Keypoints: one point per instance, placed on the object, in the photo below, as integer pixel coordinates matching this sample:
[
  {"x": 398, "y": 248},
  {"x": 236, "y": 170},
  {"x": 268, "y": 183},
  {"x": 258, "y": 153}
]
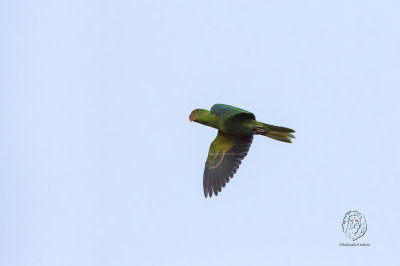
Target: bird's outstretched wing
[
  {"x": 227, "y": 111},
  {"x": 224, "y": 157}
]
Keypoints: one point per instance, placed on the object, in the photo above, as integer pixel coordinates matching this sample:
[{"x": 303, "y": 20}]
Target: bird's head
[{"x": 198, "y": 115}]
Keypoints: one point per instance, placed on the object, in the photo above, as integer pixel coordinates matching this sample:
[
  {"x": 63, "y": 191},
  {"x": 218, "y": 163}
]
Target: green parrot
[{"x": 236, "y": 128}]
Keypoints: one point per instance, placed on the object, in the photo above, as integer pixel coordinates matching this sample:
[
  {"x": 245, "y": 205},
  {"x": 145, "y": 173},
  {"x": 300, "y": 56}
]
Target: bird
[{"x": 236, "y": 128}]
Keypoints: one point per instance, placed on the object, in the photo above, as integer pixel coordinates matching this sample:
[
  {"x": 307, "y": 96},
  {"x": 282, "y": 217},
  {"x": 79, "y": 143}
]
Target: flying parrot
[{"x": 236, "y": 128}]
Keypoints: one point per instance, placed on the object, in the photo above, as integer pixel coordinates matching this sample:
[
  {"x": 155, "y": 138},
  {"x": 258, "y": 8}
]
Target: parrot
[{"x": 236, "y": 128}]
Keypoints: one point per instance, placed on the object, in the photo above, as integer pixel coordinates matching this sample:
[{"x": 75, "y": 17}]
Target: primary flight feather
[{"x": 236, "y": 128}]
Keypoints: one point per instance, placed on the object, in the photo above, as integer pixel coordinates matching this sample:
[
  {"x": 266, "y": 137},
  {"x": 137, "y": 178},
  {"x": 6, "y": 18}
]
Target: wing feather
[
  {"x": 227, "y": 111},
  {"x": 224, "y": 157}
]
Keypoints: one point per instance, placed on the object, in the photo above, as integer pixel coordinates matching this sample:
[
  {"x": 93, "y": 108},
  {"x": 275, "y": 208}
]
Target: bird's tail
[{"x": 274, "y": 132}]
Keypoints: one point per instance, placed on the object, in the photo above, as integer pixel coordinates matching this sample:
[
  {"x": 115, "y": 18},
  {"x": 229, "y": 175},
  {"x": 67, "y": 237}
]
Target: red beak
[{"x": 191, "y": 117}]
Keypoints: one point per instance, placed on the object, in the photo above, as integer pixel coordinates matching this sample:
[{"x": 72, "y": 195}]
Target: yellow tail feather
[{"x": 281, "y": 136}]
